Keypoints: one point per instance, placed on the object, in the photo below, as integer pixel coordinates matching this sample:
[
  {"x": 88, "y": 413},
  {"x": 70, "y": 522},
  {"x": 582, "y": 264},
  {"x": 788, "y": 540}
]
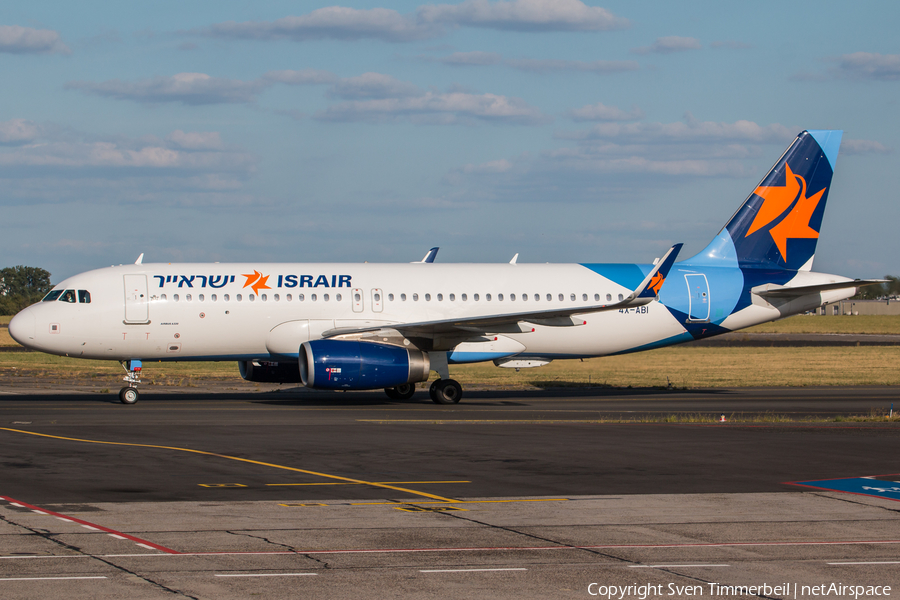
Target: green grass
[
  {"x": 679, "y": 366},
  {"x": 866, "y": 324},
  {"x": 5, "y": 319}
]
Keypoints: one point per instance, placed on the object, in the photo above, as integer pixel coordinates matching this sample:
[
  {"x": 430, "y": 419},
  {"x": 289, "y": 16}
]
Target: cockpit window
[
  {"x": 52, "y": 296},
  {"x": 84, "y": 297},
  {"x": 68, "y": 296}
]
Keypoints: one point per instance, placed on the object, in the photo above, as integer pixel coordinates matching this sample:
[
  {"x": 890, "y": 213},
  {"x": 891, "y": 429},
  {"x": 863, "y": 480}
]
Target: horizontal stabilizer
[{"x": 772, "y": 290}]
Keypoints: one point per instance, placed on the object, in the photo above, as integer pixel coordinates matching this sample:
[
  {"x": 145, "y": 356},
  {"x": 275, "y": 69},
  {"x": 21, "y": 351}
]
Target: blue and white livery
[{"x": 372, "y": 326}]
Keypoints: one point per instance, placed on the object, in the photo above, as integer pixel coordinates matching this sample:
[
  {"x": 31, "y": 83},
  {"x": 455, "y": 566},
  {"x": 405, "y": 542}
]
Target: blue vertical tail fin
[{"x": 778, "y": 225}]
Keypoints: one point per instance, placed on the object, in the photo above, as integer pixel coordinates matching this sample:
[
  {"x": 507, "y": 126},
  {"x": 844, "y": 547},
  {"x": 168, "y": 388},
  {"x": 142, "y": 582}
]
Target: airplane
[{"x": 387, "y": 326}]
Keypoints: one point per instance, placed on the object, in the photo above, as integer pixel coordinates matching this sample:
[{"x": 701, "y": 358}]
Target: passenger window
[
  {"x": 487, "y": 297},
  {"x": 288, "y": 298},
  {"x": 621, "y": 297},
  {"x": 512, "y": 297},
  {"x": 596, "y": 297},
  {"x": 391, "y": 297},
  {"x": 163, "y": 297},
  {"x": 226, "y": 297},
  {"x": 584, "y": 297},
  {"x": 213, "y": 297},
  {"x": 84, "y": 297},
  {"x": 337, "y": 297},
  {"x": 403, "y": 297},
  {"x": 301, "y": 297},
  {"x": 201, "y": 297},
  {"x": 52, "y": 296},
  {"x": 475, "y": 297},
  {"x": 440, "y": 297},
  {"x": 415, "y": 297},
  {"x": 175, "y": 297},
  {"x": 572, "y": 297},
  {"x": 276, "y": 297},
  {"x": 68, "y": 296},
  {"x": 263, "y": 297},
  {"x": 238, "y": 297},
  {"x": 464, "y": 298},
  {"x": 250, "y": 297},
  {"x": 452, "y": 297},
  {"x": 325, "y": 297},
  {"x": 608, "y": 297},
  {"x": 312, "y": 297},
  {"x": 561, "y": 297},
  {"x": 428, "y": 297},
  {"x": 187, "y": 297},
  {"x": 499, "y": 297}
]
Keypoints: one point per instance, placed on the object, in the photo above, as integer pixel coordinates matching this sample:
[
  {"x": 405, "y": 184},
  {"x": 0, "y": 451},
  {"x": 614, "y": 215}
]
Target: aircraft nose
[{"x": 22, "y": 327}]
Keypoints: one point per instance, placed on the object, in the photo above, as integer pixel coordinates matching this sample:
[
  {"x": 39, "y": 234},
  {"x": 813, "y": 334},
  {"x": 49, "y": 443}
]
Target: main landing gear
[
  {"x": 445, "y": 391},
  {"x": 404, "y": 391},
  {"x": 129, "y": 394}
]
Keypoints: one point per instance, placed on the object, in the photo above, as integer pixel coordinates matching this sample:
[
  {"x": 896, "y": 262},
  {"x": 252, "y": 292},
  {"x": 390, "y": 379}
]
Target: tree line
[
  {"x": 888, "y": 289},
  {"x": 22, "y": 286}
]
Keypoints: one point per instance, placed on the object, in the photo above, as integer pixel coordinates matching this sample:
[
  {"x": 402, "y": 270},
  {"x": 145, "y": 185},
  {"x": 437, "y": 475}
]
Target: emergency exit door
[
  {"x": 137, "y": 303},
  {"x": 698, "y": 298}
]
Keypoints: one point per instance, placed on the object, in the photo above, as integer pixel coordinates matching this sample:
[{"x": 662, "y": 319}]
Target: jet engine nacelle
[
  {"x": 352, "y": 365},
  {"x": 269, "y": 372}
]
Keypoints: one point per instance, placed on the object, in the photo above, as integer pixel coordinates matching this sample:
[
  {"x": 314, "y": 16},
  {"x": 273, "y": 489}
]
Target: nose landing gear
[{"x": 129, "y": 394}]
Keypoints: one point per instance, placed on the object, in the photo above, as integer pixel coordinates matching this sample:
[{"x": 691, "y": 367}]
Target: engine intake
[{"x": 352, "y": 365}]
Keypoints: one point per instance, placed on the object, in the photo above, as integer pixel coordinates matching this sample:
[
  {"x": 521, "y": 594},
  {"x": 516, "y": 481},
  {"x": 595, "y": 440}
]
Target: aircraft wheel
[
  {"x": 391, "y": 393},
  {"x": 404, "y": 391},
  {"x": 128, "y": 395},
  {"x": 446, "y": 391}
]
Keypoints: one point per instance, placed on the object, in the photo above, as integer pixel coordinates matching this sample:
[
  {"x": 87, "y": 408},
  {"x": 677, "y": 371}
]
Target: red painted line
[{"x": 136, "y": 540}]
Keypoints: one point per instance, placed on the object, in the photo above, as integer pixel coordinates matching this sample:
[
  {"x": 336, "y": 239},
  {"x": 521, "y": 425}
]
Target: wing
[{"x": 518, "y": 322}]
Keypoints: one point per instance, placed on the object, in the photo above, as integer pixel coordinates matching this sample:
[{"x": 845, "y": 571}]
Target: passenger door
[{"x": 137, "y": 305}]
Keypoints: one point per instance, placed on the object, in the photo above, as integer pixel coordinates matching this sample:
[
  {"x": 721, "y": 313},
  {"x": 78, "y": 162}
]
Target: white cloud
[
  {"x": 17, "y": 131},
  {"x": 187, "y": 88},
  {"x": 195, "y": 140},
  {"x": 602, "y": 112},
  {"x": 437, "y": 108},
  {"x": 429, "y": 21},
  {"x": 669, "y": 44},
  {"x": 688, "y": 131},
  {"x": 851, "y": 147},
  {"x": 372, "y": 85},
  {"x": 523, "y": 15},
  {"x": 191, "y": 153},
  {"x": 25, "y": 40},
  {"x": 333, "y": 22},
  {"x": 867, "y": 65}
]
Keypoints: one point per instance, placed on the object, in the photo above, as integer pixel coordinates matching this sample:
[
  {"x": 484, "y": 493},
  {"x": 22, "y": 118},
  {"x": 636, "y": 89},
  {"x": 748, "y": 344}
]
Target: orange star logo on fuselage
[
  {"x": 778, "y": 199},
  {"x": 256, "y": 281}
]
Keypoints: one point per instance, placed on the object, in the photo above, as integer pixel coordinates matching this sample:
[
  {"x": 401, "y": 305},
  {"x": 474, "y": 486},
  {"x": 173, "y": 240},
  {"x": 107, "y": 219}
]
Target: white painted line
[
  {"x": 45, "y": 556},
  {"x": 66, "y": 520},
  {"x": 670, "y": 566},
  {"x": 89, "y": 527},
  {"x": 45, "y": 578},
  {"x": 887, "y": 562},
  {"x": 144, "y": 546},
  {"x": 40, "y": 512},
  {"x": 117, "y": 536},
  {"x": 264, "y": 574},
  {"x": 16, "y": 504},
  {"x": 467, "y": 570}
]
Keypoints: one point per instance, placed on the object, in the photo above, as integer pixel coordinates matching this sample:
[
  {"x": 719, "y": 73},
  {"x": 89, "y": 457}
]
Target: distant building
[{"x": 861, "y": 307}]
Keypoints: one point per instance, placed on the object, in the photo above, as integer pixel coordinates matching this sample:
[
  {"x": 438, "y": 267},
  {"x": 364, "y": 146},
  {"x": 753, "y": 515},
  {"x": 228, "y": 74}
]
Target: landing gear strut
[
  {"x": 445, "y": 391},
  {"x": 404, "y": 391},
  {"x": 129, "y": 394}
]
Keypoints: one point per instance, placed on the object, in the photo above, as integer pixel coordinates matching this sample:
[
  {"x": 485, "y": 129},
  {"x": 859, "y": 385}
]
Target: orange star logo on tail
[
  {"x": 657, "y": 282},
  {"x": 776, "y": 200},
  {"x": 256, "y": 281}
]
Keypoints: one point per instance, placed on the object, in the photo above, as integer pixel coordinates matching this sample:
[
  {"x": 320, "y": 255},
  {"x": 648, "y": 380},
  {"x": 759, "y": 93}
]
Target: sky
[{"x": 561, "y": 130}]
